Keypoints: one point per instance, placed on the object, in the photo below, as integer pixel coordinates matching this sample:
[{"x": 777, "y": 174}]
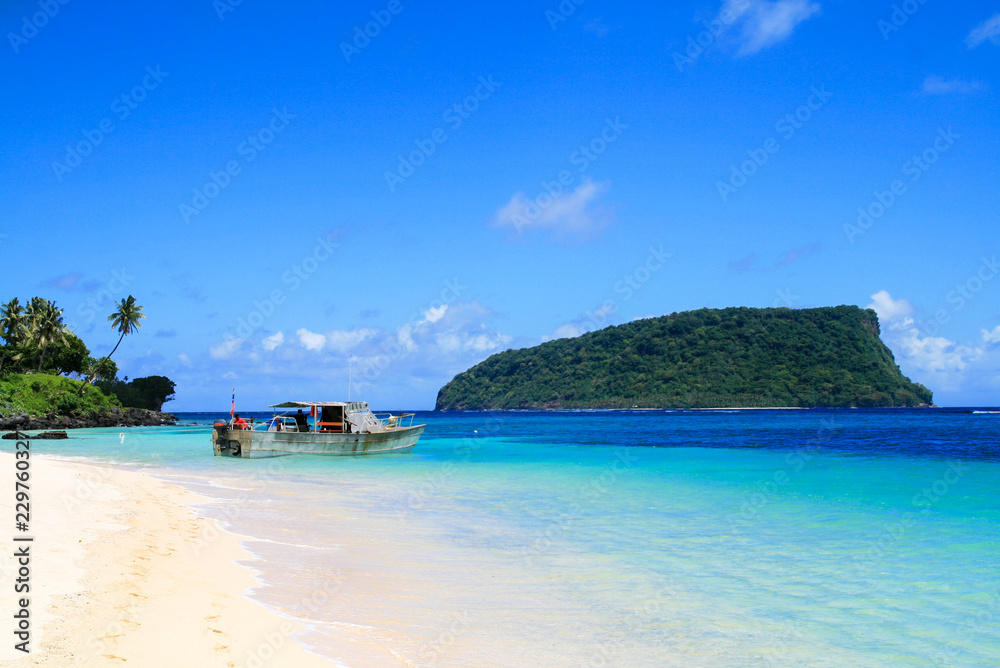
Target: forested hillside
[{"x": 734, "y": 357}]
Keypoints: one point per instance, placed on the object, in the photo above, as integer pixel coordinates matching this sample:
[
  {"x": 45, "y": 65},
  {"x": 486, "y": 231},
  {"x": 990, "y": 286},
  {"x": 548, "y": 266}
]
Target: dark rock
[
  {"x": 13, "y": 422},
  {"x": 52, "y": 435},
  {"x": 116, "y": 417}
]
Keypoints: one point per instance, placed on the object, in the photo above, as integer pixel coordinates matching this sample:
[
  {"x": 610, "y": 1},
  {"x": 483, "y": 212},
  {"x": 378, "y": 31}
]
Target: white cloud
[
  {"x": 764, "y": 23},
  {"x": 566, "y": 213},
  {"x": 226, "y": 349},
  {"x": 987, "y": 30},
  {"x": 569, "y": 330},
  {"x": 344, "y": 340},
  {"x": 391, "y": 367},
  {"x": 405, "y": 337},
  {"x": 273, "y": 341},
  {"x": 935, "y": 85},
  {"x": 934, "y": 360},
  {"x": 935, "y": 353},
  {"x": 185, "y": 359},
  {"x": 992, "y": 336},
  {"x": 891, "y": 312},
  {"x": 436, "y": 313},
  {"x": 311, "y": 340}
]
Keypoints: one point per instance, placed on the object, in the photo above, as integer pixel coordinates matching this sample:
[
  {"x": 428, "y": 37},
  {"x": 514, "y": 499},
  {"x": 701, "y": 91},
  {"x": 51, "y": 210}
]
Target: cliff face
[{"x": 734, "y": 357}]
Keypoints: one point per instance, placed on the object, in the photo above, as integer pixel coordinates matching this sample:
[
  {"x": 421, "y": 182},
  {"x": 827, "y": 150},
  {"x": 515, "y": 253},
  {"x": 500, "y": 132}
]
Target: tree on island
[
  {"x": 125, "y": 320},
  {"x": 38, "y": 338},
  {"x": 13, "y": 328},
  {"x": 150, "y": 392},
  {"x": 45, "y": 326}
]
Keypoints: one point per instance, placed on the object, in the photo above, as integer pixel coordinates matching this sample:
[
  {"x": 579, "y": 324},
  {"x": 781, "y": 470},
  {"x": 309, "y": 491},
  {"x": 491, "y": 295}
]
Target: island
[
  {"x": 707, "y": 358},
  {"x": 38, "y": 355}
]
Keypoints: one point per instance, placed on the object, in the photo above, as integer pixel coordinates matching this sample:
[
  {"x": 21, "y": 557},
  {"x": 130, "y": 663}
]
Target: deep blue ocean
[{"x": 619, "y": 538}]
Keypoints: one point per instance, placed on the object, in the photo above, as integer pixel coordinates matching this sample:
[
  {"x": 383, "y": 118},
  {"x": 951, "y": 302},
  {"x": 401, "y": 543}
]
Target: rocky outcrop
[
  {"x": 115, "y": 417},
  {"x": 45, "y": 435}
]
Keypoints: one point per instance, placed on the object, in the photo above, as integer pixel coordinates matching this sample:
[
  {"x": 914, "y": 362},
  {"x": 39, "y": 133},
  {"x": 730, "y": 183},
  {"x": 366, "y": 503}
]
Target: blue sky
[{"x": 288, "y": 196}]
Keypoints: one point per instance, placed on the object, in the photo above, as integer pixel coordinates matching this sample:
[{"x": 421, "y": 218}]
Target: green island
[
  {"x": 708, "y": 358},
  {"x": 39, "y": 358}
]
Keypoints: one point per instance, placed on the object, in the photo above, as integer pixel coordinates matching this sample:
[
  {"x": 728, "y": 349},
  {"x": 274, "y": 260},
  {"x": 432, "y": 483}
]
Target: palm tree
[
  {"x": 125, "y": 319},
  {"x": 47, "y": 325},
  {"x": 12, "y": 322},
  {"x": 12, "y": 326}
]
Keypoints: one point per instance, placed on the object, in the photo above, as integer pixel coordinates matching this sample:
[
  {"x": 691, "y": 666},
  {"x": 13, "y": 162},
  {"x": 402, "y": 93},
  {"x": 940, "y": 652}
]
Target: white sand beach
[{"x": 123, "y": 572}]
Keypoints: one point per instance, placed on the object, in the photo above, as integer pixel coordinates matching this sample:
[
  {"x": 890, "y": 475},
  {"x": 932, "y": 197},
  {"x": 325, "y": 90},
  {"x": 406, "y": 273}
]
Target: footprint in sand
[
  {"x": 112, "y": 657},
  {"x": 211, "y": 617},
  {"x": 217, "y": 631}
]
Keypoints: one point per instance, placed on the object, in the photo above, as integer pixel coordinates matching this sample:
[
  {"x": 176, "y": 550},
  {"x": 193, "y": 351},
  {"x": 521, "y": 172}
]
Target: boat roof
[{"x": 307, "y": 404}]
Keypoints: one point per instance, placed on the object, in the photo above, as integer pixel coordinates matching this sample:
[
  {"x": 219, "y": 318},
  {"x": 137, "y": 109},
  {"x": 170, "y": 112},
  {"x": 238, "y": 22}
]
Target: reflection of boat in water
[{"x": 325, "y": 428}]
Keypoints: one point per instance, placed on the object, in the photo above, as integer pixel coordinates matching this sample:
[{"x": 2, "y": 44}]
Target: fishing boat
[{"x": 318, "y": 428}]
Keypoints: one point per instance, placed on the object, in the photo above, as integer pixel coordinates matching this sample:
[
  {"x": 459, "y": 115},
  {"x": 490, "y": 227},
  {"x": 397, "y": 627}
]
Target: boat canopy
[{"x": 307, "y": 404}]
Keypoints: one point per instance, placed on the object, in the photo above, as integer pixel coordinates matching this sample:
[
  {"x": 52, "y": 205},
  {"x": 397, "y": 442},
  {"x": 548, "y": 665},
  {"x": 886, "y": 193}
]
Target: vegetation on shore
[
  {"x": 40, "y": 394},
  {"x": 149, "y": 393},
  {"x": 734, "y": 357},
  {"x": 39, "y": 352}
]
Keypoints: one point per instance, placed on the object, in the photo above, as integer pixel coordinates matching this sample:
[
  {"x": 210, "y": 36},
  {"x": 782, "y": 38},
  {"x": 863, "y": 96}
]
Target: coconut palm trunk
[{"x": 117, "y": 344}]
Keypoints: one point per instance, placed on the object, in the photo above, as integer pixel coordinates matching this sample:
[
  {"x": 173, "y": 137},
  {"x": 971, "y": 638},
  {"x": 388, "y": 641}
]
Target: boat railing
[
  {"x": 395, "y": 421},
  {"x": 281, "y": 423}
]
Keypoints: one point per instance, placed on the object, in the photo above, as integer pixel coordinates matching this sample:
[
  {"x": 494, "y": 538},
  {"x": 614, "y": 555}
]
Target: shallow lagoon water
[{"x": 628, "y": 538}]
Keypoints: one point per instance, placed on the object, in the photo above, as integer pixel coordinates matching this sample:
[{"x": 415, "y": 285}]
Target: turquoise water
[{"x": 646, "y": 538}]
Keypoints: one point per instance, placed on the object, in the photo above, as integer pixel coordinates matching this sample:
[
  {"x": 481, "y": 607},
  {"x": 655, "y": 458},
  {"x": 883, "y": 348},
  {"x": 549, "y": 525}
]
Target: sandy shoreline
[{"x": 124, "y": 572}]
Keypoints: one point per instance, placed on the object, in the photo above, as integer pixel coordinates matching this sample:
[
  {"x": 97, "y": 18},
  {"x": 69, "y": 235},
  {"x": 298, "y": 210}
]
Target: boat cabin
[{"x": 336, "y": 417}]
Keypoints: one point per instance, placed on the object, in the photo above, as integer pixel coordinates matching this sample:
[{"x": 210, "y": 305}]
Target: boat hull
[{"x": 255, "y": 444}]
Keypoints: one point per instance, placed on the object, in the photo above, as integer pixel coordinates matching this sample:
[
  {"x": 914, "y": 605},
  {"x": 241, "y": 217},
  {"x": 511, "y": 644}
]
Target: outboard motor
[{"x": 220, "y": 433}]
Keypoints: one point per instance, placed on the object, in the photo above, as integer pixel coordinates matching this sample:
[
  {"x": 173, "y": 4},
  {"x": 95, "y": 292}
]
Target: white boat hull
[{"x": 253, "y": 444}]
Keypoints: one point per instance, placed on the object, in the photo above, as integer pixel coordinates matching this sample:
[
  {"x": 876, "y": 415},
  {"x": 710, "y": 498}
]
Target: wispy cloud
[
  {"x": 418, "y": 356},
  {"x": 991, "y": 336},
  {"x": 65, "y": 282},
  {"x": 796, "y": 254},
  {"x": 194, "y": 294},
  {"x": 226, "y": 349},
  {"x": 273, "y": 341},
  {"x": 743, "y": 265},
  {"x": 764, "y": 23},
  {"x": 987, "y": 30},
  {"x": 597, "y": 27},
  {"x": 343, "y": 341},
  {"x": 566, "y": 214},
  {"x": 935, "y": 85},
  {"x": 751, "y": 263}
]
